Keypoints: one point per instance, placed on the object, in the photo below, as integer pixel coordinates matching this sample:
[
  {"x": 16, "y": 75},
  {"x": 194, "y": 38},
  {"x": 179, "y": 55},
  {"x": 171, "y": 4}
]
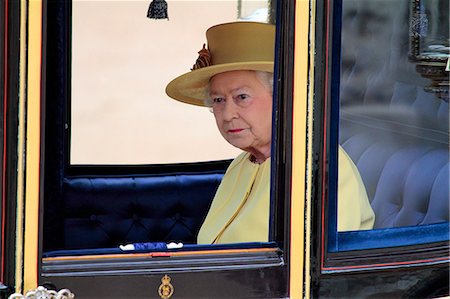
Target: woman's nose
[{"x": 230, "y": 110}]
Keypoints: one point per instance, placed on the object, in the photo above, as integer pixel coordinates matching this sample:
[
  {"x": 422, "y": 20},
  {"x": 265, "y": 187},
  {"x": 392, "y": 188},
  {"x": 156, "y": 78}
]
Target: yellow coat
[
  {"x": 354, "y": 210},
  {"x": 240, "y": 209}
]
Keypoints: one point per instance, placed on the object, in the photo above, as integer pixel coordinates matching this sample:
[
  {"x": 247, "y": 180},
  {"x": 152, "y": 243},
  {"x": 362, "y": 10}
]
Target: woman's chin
[{"x": 239, "y": 144}]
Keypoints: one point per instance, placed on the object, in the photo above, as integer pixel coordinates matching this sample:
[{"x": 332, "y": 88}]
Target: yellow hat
[{"x": 231, "y": 47}]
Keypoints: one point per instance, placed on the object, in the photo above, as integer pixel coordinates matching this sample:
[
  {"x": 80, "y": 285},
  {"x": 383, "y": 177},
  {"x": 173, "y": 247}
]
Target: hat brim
[{"x": 191, "y": 87}]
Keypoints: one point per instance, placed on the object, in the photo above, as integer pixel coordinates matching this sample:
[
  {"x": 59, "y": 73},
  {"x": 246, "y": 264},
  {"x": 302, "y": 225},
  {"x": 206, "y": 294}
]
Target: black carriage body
[{"x": 87, "y": 210}]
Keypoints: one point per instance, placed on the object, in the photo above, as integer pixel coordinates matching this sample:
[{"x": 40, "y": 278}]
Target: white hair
[{"x": 266, "y": 79}]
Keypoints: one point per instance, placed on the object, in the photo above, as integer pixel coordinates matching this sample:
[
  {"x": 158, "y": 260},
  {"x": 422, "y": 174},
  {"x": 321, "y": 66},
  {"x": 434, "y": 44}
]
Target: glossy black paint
[
  {"x": 226, "y": 275},
  {"x": 403, "y": 282},
  {"x": 56, "y": 115},
  {"x": 9, "y": 94},
  {"x": 255, "y": 283}
]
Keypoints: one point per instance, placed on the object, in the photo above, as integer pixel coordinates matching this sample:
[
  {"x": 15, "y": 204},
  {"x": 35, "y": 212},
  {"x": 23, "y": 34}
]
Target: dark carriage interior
[{"x": 394, "y": 130}]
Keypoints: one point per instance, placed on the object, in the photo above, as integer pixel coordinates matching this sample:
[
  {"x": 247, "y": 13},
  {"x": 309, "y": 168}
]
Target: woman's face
[{"x": 242, "y": 106}]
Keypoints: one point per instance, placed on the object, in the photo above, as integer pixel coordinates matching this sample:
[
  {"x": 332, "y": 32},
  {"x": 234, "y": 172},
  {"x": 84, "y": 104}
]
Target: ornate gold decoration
[
  {"x": 429, "y": 45},
  {"x": 165, "y": 290},
  {"x": 203, "y": 60},
  {"x": 43, "y": 293}
]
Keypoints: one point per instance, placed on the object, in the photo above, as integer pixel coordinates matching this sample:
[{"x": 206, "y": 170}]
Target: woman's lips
[{"x": 232, "y": 131}]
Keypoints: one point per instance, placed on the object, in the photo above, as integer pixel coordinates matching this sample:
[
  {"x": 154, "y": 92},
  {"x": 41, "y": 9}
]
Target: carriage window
[
  {"x": 120, "y": 113},
  {"x": 145, "y": 168},
  {"x": 393, "y": 118}
]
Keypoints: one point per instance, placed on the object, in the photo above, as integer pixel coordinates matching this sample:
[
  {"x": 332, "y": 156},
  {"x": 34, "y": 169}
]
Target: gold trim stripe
[
  {"x": 297, "y": 251},
  {"x": 33, "y": 127},
  {"x": 21, "y": 148},
  {"x": 309, "y": 159}
]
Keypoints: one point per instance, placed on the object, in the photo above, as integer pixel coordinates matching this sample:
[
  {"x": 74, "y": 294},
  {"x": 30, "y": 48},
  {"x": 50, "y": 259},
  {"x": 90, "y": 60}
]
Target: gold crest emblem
[{"x": 165, "y": 290}]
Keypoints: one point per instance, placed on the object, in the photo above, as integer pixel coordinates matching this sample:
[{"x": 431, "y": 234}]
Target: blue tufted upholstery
[
  {"x": 102, "y": 212},
  {"x": 401, "y": 150},
  {"x": 408, "y": 192}
]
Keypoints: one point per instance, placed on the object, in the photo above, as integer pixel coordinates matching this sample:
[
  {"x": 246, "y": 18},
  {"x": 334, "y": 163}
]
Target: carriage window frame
[
  {"x": 277, "y": 224},
  {"x": 366, "y": 244},
  {"x": 3, "y": 91}
]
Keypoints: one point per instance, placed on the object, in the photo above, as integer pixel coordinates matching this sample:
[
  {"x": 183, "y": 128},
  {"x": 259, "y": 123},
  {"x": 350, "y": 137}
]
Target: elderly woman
[{"x": 234, "y": 75}]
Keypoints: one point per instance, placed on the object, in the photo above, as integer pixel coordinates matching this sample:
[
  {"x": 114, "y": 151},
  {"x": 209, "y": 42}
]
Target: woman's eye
[
  {"x": 218, "y": 100},
  {"x": 242, "y": 97}
]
